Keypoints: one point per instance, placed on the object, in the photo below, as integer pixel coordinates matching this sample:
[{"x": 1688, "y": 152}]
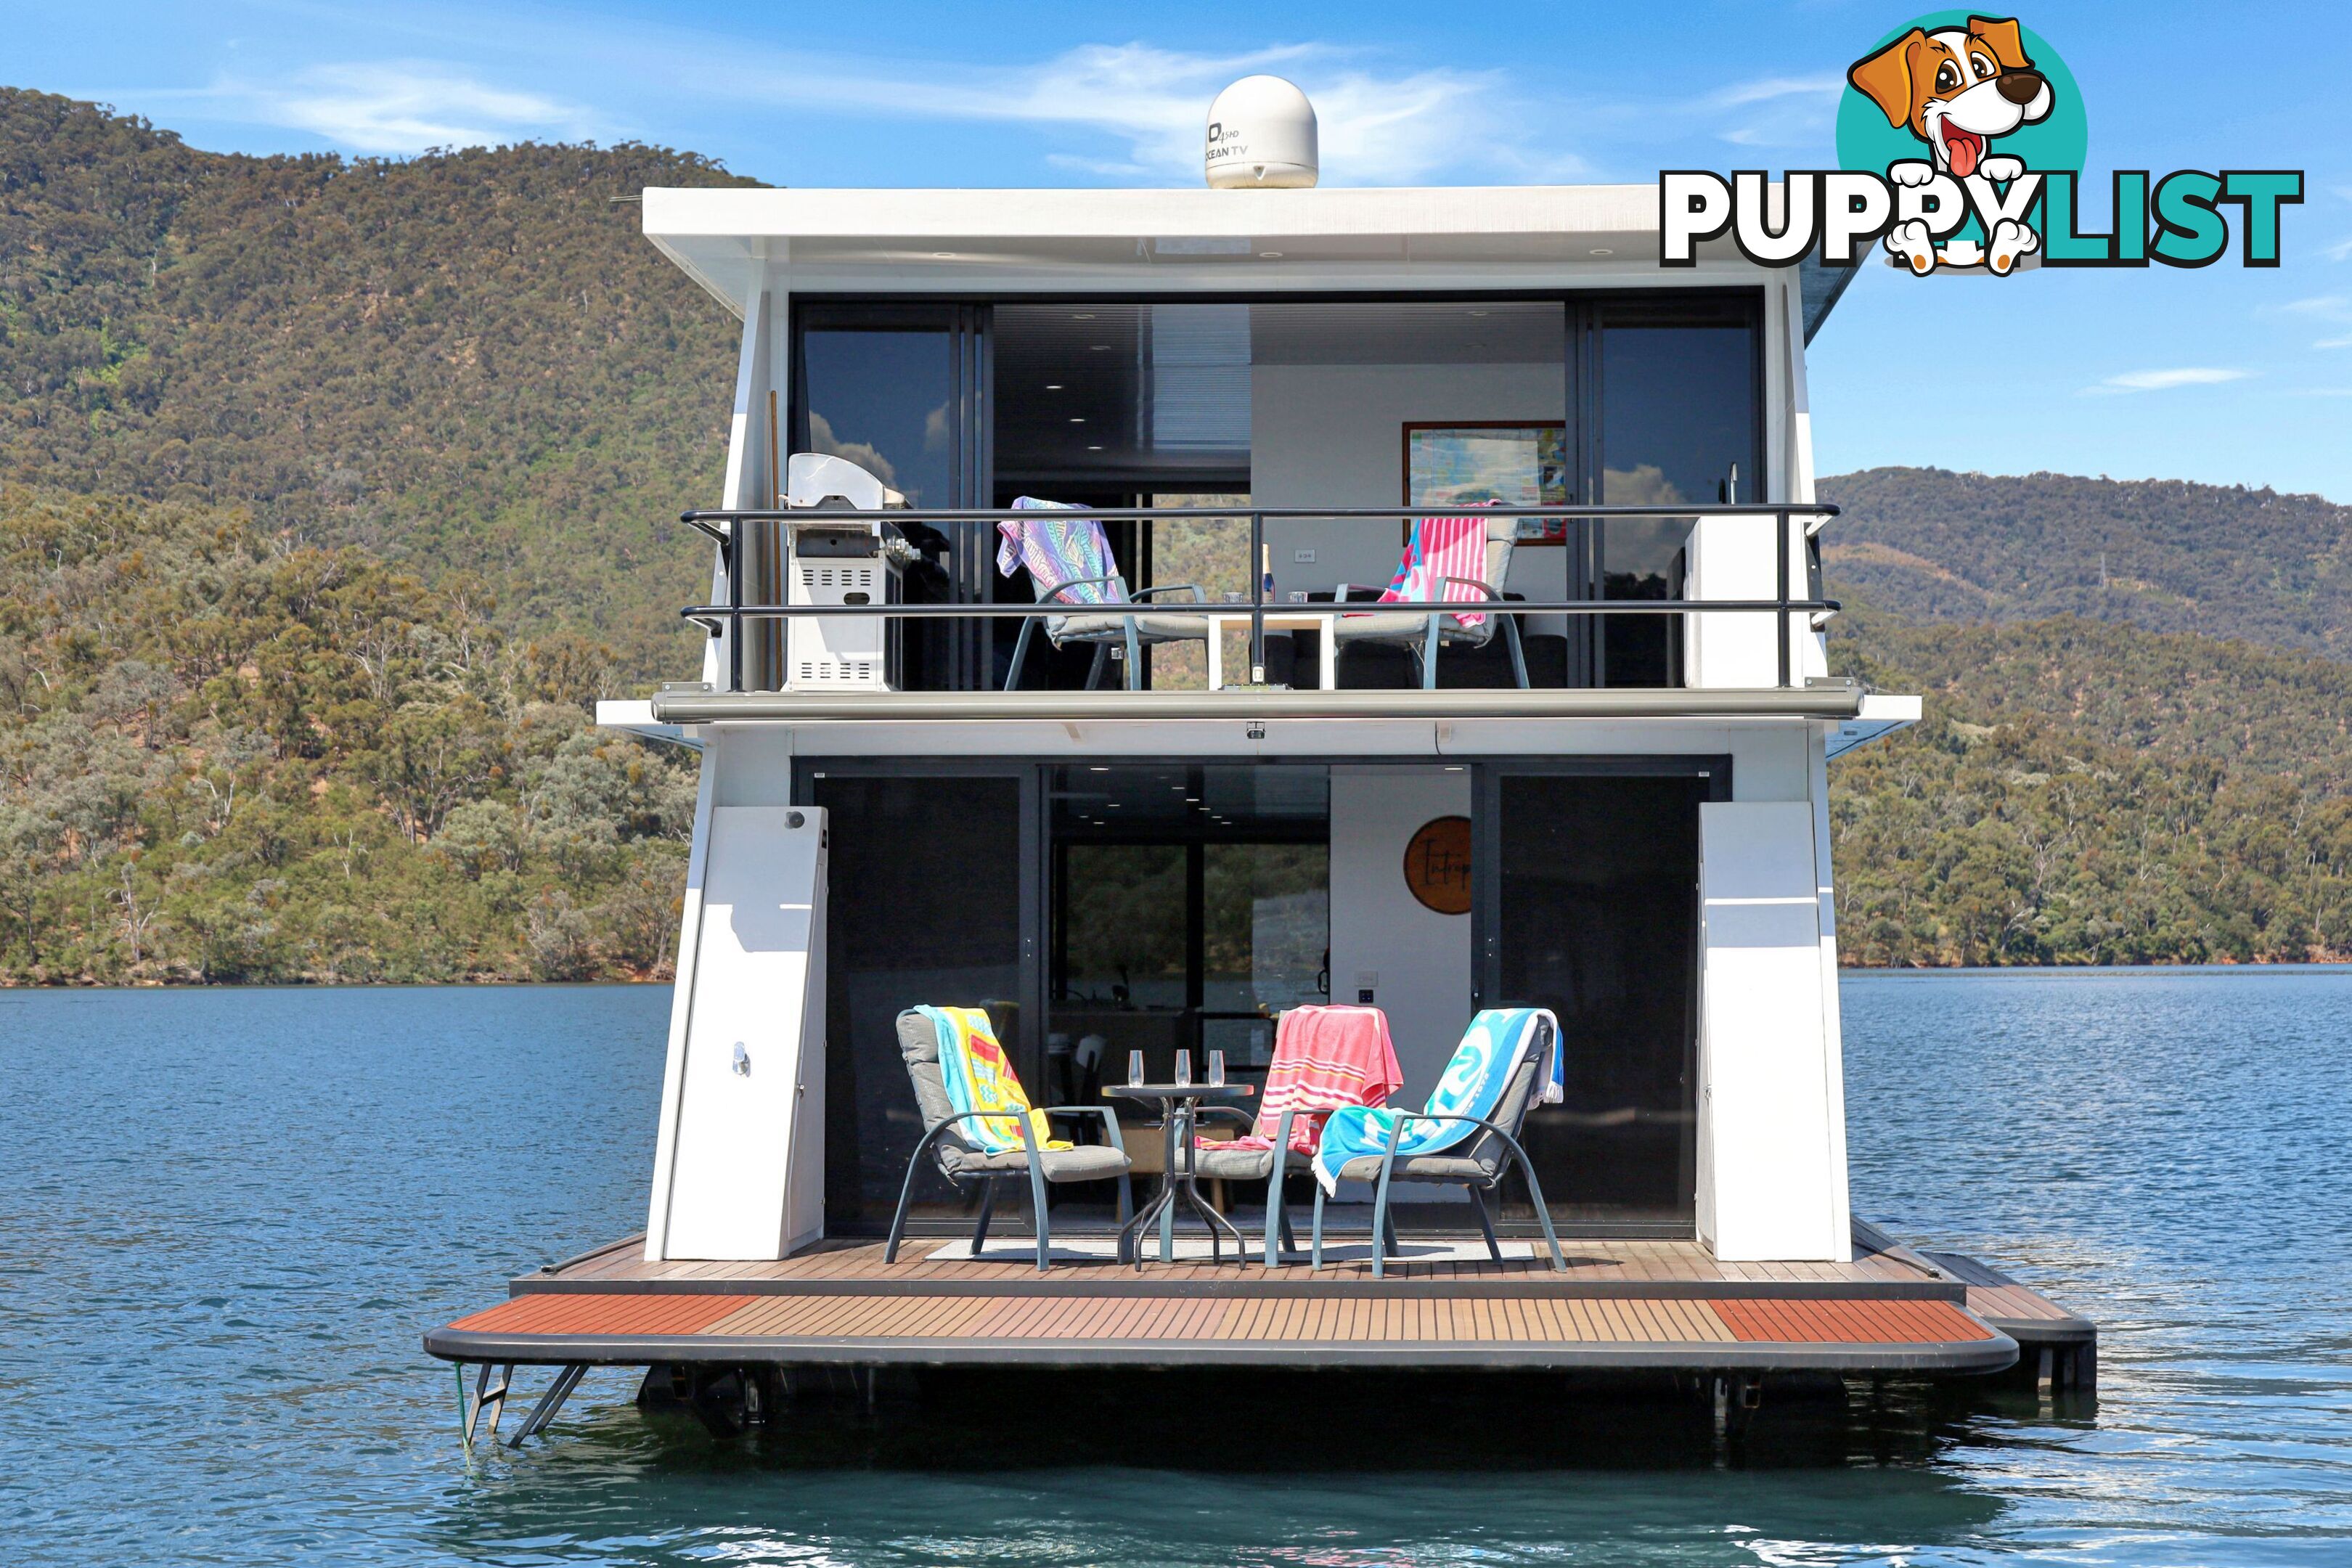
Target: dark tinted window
[
  {"x": 1598, "y": 924},
  {"x": 924, "y": 907},
  {"x": 1678, "y": 412},
  {"x": 884, "y": 399}
]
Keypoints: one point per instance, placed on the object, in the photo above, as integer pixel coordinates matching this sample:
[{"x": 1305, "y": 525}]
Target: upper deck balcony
[{"x": 834, "y": 610}]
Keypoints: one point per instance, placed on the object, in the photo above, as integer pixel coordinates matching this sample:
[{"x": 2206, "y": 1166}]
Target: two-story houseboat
[{"x": 1157, "y": 843}]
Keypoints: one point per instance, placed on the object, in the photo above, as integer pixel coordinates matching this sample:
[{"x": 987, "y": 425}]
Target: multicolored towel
[
  {"x": 1324, "y": 1057},
  {"x": 980, "y": 1077},
  {"x": 1442, "y": 548},
  {"x": 1472, "y": 1085},
  {"x": 1059, "y": 550}
]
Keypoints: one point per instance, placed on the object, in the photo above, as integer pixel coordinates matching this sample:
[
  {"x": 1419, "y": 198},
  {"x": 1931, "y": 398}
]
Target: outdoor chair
[
  {"x": 1069, "y": 561},
  {"x": 1478, "y": 1165},
  {"x": 1437, "y": 565},
  {"x": 1306, "y": 1076},
  {"x": 965, "y": 1164}
]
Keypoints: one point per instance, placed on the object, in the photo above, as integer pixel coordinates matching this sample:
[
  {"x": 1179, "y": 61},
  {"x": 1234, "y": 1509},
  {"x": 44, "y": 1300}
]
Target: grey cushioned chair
[
  {"x": 963, "y": 1163},
  {"x": 1425, "y": 633},
  {"x": 1478, "y": 1164}
]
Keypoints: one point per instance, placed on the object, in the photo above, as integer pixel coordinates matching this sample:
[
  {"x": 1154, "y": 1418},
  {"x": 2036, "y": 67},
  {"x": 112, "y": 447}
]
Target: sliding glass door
[
  {"x": 903, "y": 392},
  {"x": 1588, "y": 889},
  {"x": 932, "y": 896},
  {"x": 1670, "y": 402}
]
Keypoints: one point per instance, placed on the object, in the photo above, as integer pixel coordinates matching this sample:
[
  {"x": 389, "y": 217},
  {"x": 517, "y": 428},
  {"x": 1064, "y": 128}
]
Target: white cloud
[
  {"x": 2327, "y": 307},
  {"x": 1373, "y": 127},
  {"x": 1771, "y": 87},
  {"x": 2166, "y": 380},
  {"x": 402, "y": 107},
  {"x": 2343, "y": 343},
  {"x": 1785, "y": 110},
  {"x": 2339, "y": 251}
]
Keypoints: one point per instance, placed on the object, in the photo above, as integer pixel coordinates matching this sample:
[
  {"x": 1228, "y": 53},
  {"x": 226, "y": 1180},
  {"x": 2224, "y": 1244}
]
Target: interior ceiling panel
[{"x": 1110, "y": 393}]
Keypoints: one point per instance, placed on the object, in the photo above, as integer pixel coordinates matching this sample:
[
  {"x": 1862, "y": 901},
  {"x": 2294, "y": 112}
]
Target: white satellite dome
[{"x": 1262, "y": 137}]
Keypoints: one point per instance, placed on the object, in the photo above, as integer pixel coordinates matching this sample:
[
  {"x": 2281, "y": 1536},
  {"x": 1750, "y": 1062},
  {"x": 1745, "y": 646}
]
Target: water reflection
[{"x": 1304, "y": 1470}]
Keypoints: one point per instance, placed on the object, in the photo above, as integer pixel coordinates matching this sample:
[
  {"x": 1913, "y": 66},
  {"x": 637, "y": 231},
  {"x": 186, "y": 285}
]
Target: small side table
[{"x": 1179, "y": 1101}]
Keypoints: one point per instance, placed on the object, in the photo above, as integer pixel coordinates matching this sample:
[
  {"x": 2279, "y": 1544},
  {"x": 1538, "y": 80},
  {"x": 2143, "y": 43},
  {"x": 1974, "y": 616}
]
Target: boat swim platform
[{"x": 1623, "y": 1305}]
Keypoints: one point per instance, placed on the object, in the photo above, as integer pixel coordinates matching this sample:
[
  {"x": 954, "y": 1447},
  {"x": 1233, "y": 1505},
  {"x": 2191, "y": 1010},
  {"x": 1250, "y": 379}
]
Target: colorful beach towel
[
  {"x": 1324, "y": 1057},
  {"x": 978, "y": 1078},
  {"x": 1058, "y": 549},
  {"x": 1442, "y": 548},
  {"x": 1472, "y": 1085}
]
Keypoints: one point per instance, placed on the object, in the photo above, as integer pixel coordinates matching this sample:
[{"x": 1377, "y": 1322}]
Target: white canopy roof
[{"x": 1174, "y": 241}]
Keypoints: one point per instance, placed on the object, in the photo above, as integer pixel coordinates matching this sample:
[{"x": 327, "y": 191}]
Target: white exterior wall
[
  {"x": 1771, "y": 1155},
  {"x": 1418, "y": 960}
]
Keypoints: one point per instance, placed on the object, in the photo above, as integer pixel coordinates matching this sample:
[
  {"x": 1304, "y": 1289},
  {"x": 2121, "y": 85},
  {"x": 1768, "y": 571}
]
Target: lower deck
[{"x": 1622, "y": 1305}]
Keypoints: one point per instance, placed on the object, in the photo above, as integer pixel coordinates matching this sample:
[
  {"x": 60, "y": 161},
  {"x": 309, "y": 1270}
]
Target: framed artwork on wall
[{"x": 1521, "y": 462}]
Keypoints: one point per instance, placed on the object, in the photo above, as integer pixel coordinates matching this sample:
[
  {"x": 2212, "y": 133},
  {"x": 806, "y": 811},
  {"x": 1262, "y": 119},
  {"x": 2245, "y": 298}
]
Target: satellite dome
[{"x": 1262, "y": 137}]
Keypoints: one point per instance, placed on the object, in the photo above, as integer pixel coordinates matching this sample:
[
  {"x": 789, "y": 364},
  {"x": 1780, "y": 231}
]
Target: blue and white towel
[{"x": 1472, "y": 1083}]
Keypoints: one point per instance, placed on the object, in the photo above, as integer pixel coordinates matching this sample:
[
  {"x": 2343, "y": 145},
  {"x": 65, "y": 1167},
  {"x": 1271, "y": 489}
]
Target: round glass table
[{"x": 1180, "y": 1103}]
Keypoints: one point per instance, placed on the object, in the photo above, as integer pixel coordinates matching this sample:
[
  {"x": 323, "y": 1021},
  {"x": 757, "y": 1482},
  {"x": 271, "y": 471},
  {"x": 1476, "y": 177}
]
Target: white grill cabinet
[{"x": 840, "y": 561}]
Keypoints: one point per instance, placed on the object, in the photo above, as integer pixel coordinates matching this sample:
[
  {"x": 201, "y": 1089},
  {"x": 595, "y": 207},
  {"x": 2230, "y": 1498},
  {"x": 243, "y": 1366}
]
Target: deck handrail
[{"x": 719, "y": 620}]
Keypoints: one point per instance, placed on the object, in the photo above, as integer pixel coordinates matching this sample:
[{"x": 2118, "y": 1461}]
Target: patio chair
[
  {"x": 1069, "y": 561},
  {"x": 1438, "y": 565},
  {"x": 1459, "y": 1157},
  {"x": 964, "y": 1163},
  {"x": 1308, "y": 1077}
]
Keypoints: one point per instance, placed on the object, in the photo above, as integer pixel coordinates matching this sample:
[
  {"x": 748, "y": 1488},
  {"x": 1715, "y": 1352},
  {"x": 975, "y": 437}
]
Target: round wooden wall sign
[{"x": 1437, "y": 865}]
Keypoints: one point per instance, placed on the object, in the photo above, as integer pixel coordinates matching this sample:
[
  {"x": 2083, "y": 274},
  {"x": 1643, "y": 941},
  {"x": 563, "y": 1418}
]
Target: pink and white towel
[
  {"x": 1442, "y": 548},
  {"x": 1324, "y": 1057}
]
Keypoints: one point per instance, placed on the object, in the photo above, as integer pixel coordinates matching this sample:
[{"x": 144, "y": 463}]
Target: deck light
[
  {"x": 1084, "y": 316},
  {"x": 1270, "y": 256},
  {"x": 1601, "y": 250},
  {"x": 1094, "y": 449},
  {"x": 1053, "y": 387},
  {"x": 1098, "y": 347},
  {"x": 1077, "y": 419}
]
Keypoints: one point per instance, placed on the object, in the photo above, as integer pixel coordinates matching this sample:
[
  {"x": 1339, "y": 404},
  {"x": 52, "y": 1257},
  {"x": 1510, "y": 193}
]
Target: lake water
[{"x": 229, "y": 1215}]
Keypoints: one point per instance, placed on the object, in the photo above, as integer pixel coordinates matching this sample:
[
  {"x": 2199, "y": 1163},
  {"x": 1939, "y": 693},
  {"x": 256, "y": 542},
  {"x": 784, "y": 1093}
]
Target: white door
[{"x": 746, "y": 1177}]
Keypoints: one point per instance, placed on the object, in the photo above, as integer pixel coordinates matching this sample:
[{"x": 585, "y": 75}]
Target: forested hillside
[
  {"x": 470, "y": 359},
  {"x": 227, "y": 755},
  {"x": 337, "y": 489},
  {"x": 2160, "y": 553},
  {"x": 2084, "y": 793}
]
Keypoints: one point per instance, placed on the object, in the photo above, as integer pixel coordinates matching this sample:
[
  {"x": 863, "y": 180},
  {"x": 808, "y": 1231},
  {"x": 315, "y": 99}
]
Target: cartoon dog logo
[{"x": 1955, "y": 89}]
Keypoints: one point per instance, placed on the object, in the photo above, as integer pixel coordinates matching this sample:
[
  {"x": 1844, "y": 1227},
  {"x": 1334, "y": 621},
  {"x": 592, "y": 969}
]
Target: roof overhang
[{"x": 1181, "y": 241}]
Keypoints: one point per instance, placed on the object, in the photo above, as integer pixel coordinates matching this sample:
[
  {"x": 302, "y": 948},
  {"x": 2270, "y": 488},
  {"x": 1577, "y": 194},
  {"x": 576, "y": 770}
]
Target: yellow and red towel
[{"x": 980, "y": 1076}]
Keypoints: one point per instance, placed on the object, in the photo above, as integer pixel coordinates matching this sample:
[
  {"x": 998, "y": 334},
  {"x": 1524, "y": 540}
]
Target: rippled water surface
[{"x": 229, "y": 1215}]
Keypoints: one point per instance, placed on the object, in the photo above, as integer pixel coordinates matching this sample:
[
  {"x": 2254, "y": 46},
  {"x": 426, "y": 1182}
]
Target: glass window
[
  {"x": 1192, "y": 904},
  {"x": 941, "y": 927},
  {"x": 884, "y": 399},
  {"x": 1599, "y": 923},
  {"x": 1678, "y": 417}
]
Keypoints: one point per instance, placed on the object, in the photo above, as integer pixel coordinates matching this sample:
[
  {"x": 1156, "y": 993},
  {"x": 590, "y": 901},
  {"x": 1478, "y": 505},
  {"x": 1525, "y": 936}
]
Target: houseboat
[{"x": 1255, "y": 765}]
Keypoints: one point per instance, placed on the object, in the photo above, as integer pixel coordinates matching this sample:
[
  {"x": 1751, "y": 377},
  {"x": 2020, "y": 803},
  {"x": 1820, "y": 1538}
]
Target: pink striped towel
[
  {"x": 1442, "y": 548},
  {"x": 1324, "y": 1057}
]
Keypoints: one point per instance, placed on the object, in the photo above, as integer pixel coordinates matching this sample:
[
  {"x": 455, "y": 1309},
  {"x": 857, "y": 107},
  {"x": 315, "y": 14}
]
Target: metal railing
[{"x": 727, "y": 619}]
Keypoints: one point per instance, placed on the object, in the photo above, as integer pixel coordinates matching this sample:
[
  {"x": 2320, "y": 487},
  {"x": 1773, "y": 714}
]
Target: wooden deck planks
[{"x": 1847, "y": 1323}]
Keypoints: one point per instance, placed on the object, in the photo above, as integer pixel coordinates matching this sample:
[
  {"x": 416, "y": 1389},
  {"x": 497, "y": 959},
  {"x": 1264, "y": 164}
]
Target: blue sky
[{"x": 2223, "y": 375}]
